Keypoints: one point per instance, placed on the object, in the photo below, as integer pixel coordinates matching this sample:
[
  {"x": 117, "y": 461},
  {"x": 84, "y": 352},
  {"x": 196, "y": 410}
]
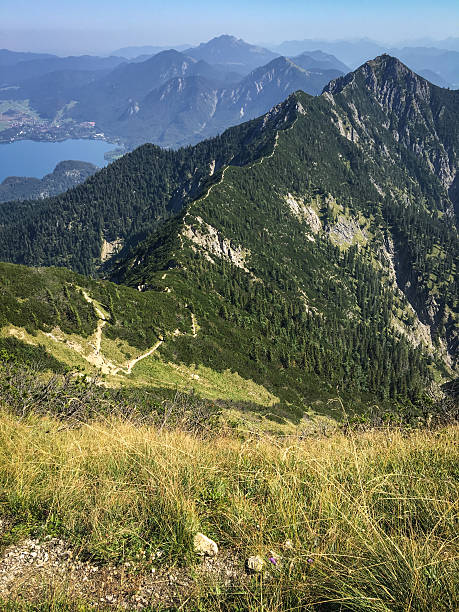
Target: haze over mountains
[
  {"x": 175, "y": 98},
  {"x": 307, "y": 250},
  {"x": 440, "y": 57},
  {"x": 228, "y": 50},
  {"x": 229, "y": 374}
]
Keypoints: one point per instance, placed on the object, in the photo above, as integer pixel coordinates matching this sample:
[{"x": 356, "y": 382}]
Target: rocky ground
[{"x": 36, "y": 570}]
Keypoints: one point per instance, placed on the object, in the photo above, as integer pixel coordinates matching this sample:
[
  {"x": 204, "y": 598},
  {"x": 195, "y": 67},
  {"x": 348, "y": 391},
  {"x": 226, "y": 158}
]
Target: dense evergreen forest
[
  {"x": 316, "y": 246},
  {"x": 126, "y": 200}
]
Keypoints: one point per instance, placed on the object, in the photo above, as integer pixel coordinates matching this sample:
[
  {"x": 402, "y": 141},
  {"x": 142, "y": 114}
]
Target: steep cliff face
[
  {"x": 421, "y": 116},
  {"x": 389, "y": 111}
]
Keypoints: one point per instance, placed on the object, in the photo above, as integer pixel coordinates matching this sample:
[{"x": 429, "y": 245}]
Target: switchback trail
[{"x": 96, "y": 358}]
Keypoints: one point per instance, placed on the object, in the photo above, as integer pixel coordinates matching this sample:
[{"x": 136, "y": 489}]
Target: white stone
[
  {"x": 204, "y": 545},
  {"x": 255, "y": 563}
]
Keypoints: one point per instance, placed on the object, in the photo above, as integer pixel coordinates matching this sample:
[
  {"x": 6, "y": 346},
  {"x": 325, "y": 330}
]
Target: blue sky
[{"x": 106, "y": 24}]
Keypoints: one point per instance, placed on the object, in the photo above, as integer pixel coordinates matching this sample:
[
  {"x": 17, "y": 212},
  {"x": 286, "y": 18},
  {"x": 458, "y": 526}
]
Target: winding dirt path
[
  {"x": 127, "y": 368},
  {"x": 96, "y": 358},
  {"x": 100, "y": 323},
  {"x": 218, "y": 182},
  {"x": 259, "y": 161}
]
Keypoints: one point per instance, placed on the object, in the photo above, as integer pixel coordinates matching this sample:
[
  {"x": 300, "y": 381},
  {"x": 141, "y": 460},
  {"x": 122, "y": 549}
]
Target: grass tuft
[{"x": 372, "y": 517}]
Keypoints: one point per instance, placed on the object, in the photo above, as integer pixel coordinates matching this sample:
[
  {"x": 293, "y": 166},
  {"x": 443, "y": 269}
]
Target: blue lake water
[{"x": 30, "y": 158}]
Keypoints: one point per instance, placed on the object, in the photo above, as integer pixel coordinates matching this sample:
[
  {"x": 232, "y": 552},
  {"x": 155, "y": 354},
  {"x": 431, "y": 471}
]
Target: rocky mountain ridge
[
  {"x": 310, "y": 249},
  {"x": 171, "y": 98},
  {"x": 416, "y": 110},
  {"x": 190, "y": 108}
]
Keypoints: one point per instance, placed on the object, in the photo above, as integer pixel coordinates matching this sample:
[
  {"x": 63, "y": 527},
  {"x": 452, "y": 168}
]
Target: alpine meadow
[{"x": 228, "y": 358}]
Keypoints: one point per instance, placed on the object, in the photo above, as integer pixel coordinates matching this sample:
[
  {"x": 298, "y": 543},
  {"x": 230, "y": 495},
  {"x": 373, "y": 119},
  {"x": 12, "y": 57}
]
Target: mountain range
[
  {"x": 16, "y": 68},
  {"x": 171, "y": 98},
  {"x": 306, "y": 253},
  {"x": 185, "y": 110},
  {"x": 175, "y": 98},
  {"x": 440, "y": 58}
]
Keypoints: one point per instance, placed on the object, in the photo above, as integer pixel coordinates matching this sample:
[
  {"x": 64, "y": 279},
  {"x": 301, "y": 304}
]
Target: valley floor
[{"x": 102, "y": 515}]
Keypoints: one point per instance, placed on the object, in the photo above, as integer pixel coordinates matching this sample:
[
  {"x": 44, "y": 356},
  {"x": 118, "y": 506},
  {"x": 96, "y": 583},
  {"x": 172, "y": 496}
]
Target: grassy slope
[
  {"x": 40, "y": 306},
  {"x": 371, "y": 517}
]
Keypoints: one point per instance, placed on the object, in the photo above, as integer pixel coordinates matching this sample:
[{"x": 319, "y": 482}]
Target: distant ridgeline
[
  {"x": 67, "y": 174},
  {"x": 311, "y": 251}
]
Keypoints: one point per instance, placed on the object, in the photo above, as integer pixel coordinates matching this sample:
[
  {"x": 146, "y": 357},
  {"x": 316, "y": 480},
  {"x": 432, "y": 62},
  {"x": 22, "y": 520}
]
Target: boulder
[{"x": 204, "y": 546}]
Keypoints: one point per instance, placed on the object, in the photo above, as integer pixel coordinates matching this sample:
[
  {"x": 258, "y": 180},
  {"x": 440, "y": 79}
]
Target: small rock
[
  {"x": 204, "y": 545},
  {"x": 255, "y": 564}
]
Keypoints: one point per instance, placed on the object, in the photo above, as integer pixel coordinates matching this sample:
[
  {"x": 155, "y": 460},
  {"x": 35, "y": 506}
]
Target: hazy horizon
[{"x": 64, "y": 27}]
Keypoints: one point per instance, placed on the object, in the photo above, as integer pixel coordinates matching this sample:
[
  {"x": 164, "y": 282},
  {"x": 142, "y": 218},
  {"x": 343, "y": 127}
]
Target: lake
[{"x": 30, "y": 158}]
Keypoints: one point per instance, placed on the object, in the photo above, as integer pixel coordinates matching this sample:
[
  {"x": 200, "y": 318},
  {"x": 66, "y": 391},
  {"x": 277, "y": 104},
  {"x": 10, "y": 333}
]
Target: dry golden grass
[{"x": 372, "y": 517}]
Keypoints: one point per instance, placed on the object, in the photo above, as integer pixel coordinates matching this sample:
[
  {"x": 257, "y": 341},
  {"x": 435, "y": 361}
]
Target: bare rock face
[
  {"x": 346, "y": 231},
  {"x": 212, "y": 242},
  {"x": 415, "y": 112},
  {"x": 204, "y": 546},
  {"x": 303, "y": 212}
]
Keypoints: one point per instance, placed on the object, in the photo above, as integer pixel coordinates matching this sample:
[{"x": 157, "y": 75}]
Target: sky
[{"x": 100, "y": 26}]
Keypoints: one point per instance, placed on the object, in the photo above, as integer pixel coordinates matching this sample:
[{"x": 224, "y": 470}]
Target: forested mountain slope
[
  {"x": 66, "y": 174},
  {"x": 125, "y": 200},
  {"x": 312, "y": 251}
]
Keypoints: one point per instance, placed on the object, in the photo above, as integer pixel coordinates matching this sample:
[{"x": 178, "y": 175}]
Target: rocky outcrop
[
  {"x": 417, "y": 115},
  {"x": 303, "y": 212},
  {"x": 110, "y": 248},
  {"x": 209, "y": 239},
  {"x": 346, "y": 231}
]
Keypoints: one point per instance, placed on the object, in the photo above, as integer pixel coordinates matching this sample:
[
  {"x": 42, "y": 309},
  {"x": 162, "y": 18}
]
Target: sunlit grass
[{"x": 372, "y": 517}]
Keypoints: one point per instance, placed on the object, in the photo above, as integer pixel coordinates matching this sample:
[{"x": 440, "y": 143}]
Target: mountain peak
[
  {"x": 319, "y": 60},
  {"x": 389, "y": 62},
  {"x": 377, "y": 73},
  {"x": 423, "y": 116},
  {"x": 226, "y": 38},
  {"x": 227, "y": 49},
  {"x": 166, "y": 57}
]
